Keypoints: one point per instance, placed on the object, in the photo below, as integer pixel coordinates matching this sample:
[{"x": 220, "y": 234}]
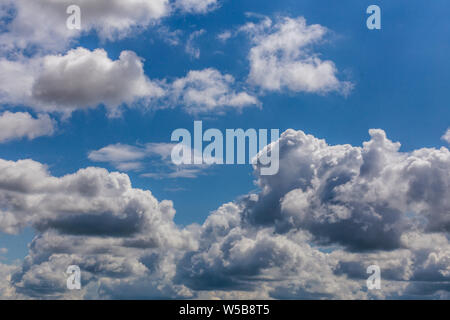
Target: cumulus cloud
[
  {"x": 92, "y": 218},
  {"x": 446, "y": 136},
  {"x": 42, "y": 23},
  {"x": 282, "y": 57},
  {"x": 22, "y": 125},
  {"x": 82, "y": 79},
  {"x": 79, "y": 79},
  {"x": 310, "y": 232},
  {"x": 7, "y": 291},
  {"x": 357, "y": 197},
  {"x": 209, "y": 90},
  {"x": 364, "y": 205}
]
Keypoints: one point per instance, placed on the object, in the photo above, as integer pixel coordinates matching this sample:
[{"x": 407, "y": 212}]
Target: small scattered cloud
[
  {"x": 20, "y": 125},
  {"x": 169, "y": 36},
  {"x": 152, "y": 155},
  {"x": 197, "y": 6},
  {"x": 224, "y": 36},
  {"x": 446, "y": 136},
  {"x": 282, "y": 57},
  {"x": 209, "y": 91},
  {"x": 190, "y": 46}
]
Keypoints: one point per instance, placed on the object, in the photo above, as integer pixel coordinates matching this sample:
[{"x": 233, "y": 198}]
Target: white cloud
[
  {"x": 209, "y": 91},
  {"x": 349, "y": 195},
  {"x": 7, "y": 291},
  {"x": 369, "y": 205},
  {"x": 42, "y": 23},
  {"x": 117, "y": 153},
  {"x": 446, "y": 136},
  {"x": 22, "y": 125},
  {"x": 224, "y": 36},
  {"x": 77, "y": 80},
  {"x": 141, "y": 158},
  {"x": 82, "y": 79},
  {"x": 190, "y": 48},
  {"x": 310, "y": 232},
  {"x": 92, "y": 218},
  {"x": 197, "y": 6},
  {"x": 282, "y": 57},
  {"x": 16, "y": 80}
]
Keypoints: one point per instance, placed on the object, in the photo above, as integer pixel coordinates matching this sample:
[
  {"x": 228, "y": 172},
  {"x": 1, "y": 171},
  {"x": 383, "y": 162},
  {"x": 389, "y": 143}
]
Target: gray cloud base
[{"x": 310, "y": 232}]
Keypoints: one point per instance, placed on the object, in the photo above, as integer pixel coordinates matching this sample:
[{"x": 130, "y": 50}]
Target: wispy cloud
[
  {"x": 149, "y": 156},
  {"x": 446, "y": 136}
]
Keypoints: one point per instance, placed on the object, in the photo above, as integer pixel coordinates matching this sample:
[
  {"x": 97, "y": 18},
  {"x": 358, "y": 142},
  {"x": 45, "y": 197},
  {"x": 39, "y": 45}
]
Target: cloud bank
[{"x": 310, "y": 232}]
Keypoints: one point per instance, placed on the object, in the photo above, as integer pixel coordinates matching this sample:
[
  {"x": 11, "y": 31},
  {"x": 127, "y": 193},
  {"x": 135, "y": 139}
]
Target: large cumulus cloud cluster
[
  {"x": 310, "y": 232},
  {"x": 92, "y": 218}
]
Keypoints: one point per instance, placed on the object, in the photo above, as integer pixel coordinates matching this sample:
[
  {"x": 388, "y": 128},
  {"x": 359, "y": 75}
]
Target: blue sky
[
  {"x": 400, "y": 87},
  {"x": 400, "y": 76}
]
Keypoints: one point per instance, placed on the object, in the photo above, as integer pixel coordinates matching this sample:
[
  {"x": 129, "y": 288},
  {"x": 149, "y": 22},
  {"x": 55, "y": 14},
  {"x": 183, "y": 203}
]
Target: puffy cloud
[
  {"x": 92, "y": 218},
  {"x": 357, "y": 197},
  {"x": 282, "y": 58},
  {"x": 42, "y": 23},
  {"x": 237, "y": 258},
  {"x": 446, "y": 136},
  {"x": 22, "y": 125},
  {"x": 6, "y": 289},
  {"x": 209, "y": 91},
  {"x": 329, "y": 213},
  {"x": 75, "y": 204},
  {"x": 311, "y": 232},
  {"x": 63, "y": 81},
  {"x": 60, "y": 82},
  {"x": 16, "y": 80}
]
